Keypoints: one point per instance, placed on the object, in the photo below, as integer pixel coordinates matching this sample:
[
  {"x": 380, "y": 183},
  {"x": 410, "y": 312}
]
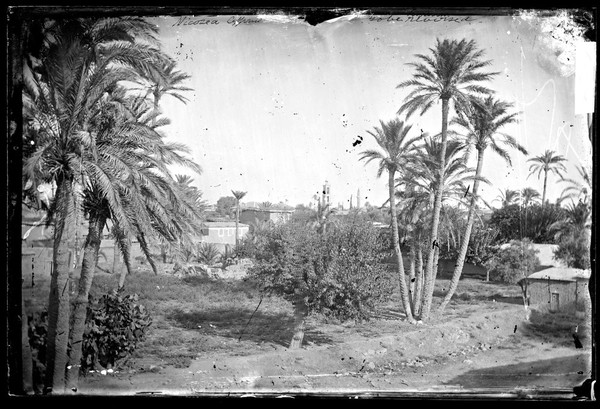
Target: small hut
[{"x": 557, "y": 289}]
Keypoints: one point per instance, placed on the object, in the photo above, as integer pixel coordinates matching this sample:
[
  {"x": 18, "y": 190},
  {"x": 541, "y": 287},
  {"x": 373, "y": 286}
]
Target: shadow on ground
[
  {"x": 277, "y": 328},
  {"x": 563, "y": 372}
]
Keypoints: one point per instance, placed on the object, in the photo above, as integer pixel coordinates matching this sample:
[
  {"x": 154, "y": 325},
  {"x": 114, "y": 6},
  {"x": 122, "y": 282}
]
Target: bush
[
  {"x": 511, "y": 263},
  {"x": 114, "y": 327},
  {"x": 38, "y": 331},
  {"x": 208, "y": 254},
  {"x": 574, "y": 249},
  {"x": 340, "y": 272}
]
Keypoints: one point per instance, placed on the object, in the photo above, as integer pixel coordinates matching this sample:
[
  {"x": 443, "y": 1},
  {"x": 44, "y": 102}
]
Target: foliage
[
  {"x": 38, "y": 331},
  {"x": 208, "y": 253},
  {"x": 228, "y": 257},
  {"x": 574, "y": 249},
  {"x": 114, "y": 328},
  {"x": 225, "y": 205},
  {"x": 535, "y": 222},
  {"x": 513, "y": 262},
  {"x": 339, "y": 271}
]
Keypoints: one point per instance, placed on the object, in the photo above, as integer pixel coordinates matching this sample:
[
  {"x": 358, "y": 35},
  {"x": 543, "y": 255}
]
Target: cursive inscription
[
  {"x": 197, "y": 21},
  {"x": 422, "y": 19}
]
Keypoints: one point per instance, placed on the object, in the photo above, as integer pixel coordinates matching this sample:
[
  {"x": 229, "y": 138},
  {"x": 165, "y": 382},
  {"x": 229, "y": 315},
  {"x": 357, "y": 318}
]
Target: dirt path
[{"x": 491, "y": 350}]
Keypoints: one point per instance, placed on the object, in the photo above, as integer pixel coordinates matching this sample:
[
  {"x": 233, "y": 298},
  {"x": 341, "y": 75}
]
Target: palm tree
[
  {"x": 507, "y": 197},
  {"x": 529, "y": 196},
  {"x": 547, "y": 162},
  {"x": 395, "y": 152},
  {"x": 80, "y": 61},
  {"x": 452, "y": 73},
  {"x": 239, "y": 195},
  {"x": 578, "y": 189},
  {"x": 483, "y": 127},
  {"x": 417, "y": 190}
]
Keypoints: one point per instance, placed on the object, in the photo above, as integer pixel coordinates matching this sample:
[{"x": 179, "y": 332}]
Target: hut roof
[{"x": 561, "y": 274}]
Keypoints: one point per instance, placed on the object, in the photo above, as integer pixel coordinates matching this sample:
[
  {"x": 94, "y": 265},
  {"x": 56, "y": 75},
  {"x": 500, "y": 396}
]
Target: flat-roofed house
[
  {"x": 250, "y": 215},
  {"x": 222, "y": 233},
  {"x": 557, "y": 289}
]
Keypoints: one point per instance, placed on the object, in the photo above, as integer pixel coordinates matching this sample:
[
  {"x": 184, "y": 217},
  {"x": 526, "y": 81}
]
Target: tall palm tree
[
  {"x": 578, "y": 189},
  {"x": 395, "y": 151},
  {"x": 417, "y": 190},
  {"x": 239, "y": 195},
  {"x": 529, "y": 196},
  {"x": 451, "y": 73},
  {"x": 548, "y": 162},
  {"x": 483, "y": 126},
  {"x": 507, "y": 197},
  {"x": 80, "y": 61}
]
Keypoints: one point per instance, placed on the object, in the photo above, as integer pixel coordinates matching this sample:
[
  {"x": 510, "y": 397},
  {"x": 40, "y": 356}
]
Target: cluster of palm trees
[
  {"x": 426, "y": 172},
  {"x": 99, "y": 139}
]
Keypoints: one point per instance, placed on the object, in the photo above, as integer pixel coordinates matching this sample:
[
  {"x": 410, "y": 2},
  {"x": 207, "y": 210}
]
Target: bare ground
[{"x": 481, "y": 343}]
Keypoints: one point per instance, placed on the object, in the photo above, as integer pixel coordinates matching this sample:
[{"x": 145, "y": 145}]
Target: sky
[{"x": 278, "y": 105}]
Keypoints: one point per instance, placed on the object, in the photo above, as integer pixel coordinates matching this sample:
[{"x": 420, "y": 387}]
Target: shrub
[
  {"x": 208, "y": 254},
  {"x": 114, "y": 327},
  {"x": 38, "y": 331},
  {"x": 574, "y": 249},
  {"x": 340, "y": 272},
  {"x": 513, "y": 262}
]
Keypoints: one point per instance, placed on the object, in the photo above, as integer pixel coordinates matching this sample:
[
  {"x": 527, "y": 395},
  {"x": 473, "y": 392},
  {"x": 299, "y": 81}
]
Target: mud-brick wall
[{"x": 571, "y": 294}]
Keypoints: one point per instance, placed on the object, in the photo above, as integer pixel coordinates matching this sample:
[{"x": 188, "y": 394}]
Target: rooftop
[
  {"x": 561, "y": 274},
  {"x": 223, "y": 224}
]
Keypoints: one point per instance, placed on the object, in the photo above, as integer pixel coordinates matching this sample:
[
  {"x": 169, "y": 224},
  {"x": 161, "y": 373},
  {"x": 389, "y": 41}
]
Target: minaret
[
  {"x": 326, "y": 197},
  {"x": 351, "y": 199},
  {"x": 358, "y": 199}
]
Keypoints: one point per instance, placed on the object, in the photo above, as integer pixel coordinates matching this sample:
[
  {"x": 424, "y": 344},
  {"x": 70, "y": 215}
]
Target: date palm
[
  {"x": 79, "y": 61},
  {"x": 239, "y": 195},
  {"x": 507, "y": 197},
  {"x": 529, "y": 196},
  {"x": 548, "y": 162},
  {"x": 395, "y": 150},
  {"x": 483, "y": 127},
  {"x": 578, "y": 189},
  {"x": 451, "y": 73}
]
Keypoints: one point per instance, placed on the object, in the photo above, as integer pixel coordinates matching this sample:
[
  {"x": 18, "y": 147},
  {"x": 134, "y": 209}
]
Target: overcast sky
[{"x": 278, "y": 104}]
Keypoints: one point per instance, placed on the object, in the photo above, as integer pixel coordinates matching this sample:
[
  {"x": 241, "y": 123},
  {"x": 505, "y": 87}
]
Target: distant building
[
  {"x": 222, "y": 233},
  {"x": 557, "y": 289},
  {"x": 250, "y": 215}
]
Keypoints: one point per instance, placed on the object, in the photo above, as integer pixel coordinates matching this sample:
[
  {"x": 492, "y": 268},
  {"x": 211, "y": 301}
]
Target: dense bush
[
  {"x": 115, "y": 325},
  {"x": 513, "y": 262},
  {"x": 340, "y": 272},
  {"x": 574, "y": 249},
  {"x": 534, "y": 222},
  {"x": 37, "y": 331}
]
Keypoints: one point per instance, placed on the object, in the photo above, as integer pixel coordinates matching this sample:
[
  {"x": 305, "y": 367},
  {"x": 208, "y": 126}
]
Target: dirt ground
[{"x": 483, "y": 344}]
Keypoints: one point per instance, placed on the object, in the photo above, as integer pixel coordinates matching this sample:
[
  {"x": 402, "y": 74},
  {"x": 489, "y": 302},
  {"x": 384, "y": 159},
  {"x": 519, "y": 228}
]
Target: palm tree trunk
[
  {"x": 400, "y": 263},
  {"x": 90, "y": 260},
  {"x": 460, "y": 262},
  {"x": 58, "y": 302},
  {"x": 237, "y": 222},
  {"x": 418, "y": 282},
  {"x": 544, "y": 191},
  {"x": 429, "y": 276},
  {"x": 411, "y": 276}
]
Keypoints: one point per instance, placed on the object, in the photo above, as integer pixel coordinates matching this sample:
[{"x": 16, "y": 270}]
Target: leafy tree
[
  {"x": 451, "y": 73},
  {"x": 548, "y": 162},
  {"x": 225, "y": 205},
  {"x": 483, "y": 125},
  {"x": 393, "y": 155},
  {"x": 514, "y": 262}
]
